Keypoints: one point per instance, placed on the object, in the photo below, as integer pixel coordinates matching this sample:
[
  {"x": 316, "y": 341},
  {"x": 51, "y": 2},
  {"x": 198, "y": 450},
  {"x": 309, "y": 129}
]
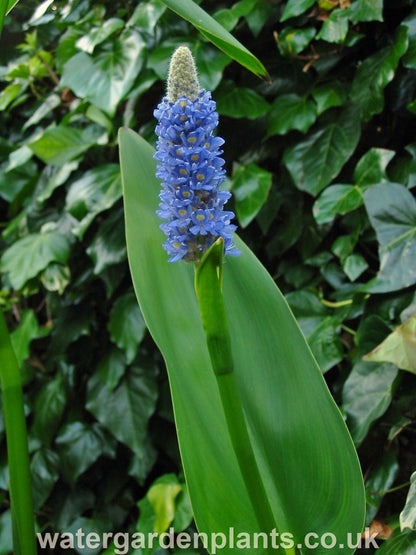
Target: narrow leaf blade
[{"x": 217, "y": 35}]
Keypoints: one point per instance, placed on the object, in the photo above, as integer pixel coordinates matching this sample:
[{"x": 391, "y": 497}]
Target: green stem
[
  {"x": 24, "y": 539},
  {"x": 208, "y": 285}
]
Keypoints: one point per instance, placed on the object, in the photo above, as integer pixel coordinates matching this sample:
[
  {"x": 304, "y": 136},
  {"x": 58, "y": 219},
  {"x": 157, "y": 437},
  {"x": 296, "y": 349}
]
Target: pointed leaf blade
[{"x": 298, "y": 421}]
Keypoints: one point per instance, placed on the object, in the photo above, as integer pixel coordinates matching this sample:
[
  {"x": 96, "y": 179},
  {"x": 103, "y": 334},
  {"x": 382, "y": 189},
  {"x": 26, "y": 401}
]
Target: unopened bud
[{"x": 182, "y": 78}]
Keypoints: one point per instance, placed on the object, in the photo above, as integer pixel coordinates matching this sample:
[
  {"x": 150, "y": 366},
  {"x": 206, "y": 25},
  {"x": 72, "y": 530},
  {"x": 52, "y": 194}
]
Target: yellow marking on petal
[
  {"x": 176, "y": 245},
  {"x": 195, "y": 157},
  {"x": 191, "y": 139},
  {"x": 200, "y": 217},
  {"x": 200, "y": 176},
  {"x": 206, "y": 144},
  {"x": 198, "y": 121},
  {"x": 186, "y": 194},
  {"x": 178, "y": 152},
  {"x": 183, "y": 118},
  {"x": 182, "y": 171},
  {"x": 182, "y": 212},
  {"x": 183, "y": 103}
]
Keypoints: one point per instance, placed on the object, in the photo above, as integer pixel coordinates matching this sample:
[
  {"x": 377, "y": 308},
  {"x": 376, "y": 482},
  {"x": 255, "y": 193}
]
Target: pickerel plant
[
  {"x": 199, "y": 230},
  {"x": 263, "y": 445}
]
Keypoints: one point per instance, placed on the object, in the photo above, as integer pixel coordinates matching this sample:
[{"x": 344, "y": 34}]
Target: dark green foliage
[{"x": 322, "y": 163}]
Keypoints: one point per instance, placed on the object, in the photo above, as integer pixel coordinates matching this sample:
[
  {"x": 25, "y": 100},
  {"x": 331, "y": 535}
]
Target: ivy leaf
[
  {"x": 366, "y": 10},
  {"x": 380, "y": 479},
  {"x": 317, "y": 159},
  {"x": 112, "y": 367},
  {"x": 296, "y": 7},
  {"x": 399, "y": 347},
  {"x": 375, "y": 73},
  {"x": 240, "y": 102},
  {"x": 336, "y": 199},
  {"x": 147, "y": 15},
  {"x": 49, "y": 405},
  {"x": 97, "y": 35},
  {"x": 318, "y": 326},
  {"x": 293, "y": 41},
  {"x": 409, "y": 59},
  {"x": 126, "y": 325},
  {"x": 44, "y": 471},
  {"x": 96, "y": 191},
  {"x": 392, "y": 212},
  {"x": 109, "y": 245},
  {"x": 125, "y": 410},
  {"x": 354, "y": 265},
  {"x": 408, "y": 514},
  {"x": 107, "y": 77},
  {"x": 335, "y": 27},
  {"x": 328, "y": 95},
  {"x": 161, "y": 496},
  {"x": 251, "y": 185},
  {"x": 27, "y": 331},
  {"x": 291, "y": 111},
  {"x": 58, "y": 145},
  {"x": 340, "y": 199},
  {"x": 367, "y": 394},
  {"x": 80, "y": 445},
  {"x": 371, "y": 167},
  {"x": 31, "y": 254},
  {"x": 47, "y": 106},
  {"x": 325, "y": 344}
]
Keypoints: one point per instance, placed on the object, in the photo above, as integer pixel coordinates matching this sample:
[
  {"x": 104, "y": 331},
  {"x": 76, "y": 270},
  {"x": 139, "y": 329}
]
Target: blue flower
[{"x": 190, "y": 167}]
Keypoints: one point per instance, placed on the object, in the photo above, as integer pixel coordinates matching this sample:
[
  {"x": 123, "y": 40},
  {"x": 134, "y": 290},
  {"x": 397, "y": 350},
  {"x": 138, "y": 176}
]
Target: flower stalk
[
  {"x": 208, "y": 287},
  {"x": 17, "y": 450}
]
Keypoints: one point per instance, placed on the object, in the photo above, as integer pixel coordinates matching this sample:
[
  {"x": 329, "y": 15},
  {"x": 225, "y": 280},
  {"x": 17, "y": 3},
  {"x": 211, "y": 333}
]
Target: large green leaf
[
  {"x": 213, "y": 31},
  {"x": 317, "y": 159},
  {"x": 392, "y": 212},
  {"x": 295, "y": 426},
  {"x": 106, "y": 78}
]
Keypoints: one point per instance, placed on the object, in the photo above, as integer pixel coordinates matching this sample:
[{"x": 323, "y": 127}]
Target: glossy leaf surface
[
  {"x": 217, "y": 34},
  {"x": 294, "y": 424}
]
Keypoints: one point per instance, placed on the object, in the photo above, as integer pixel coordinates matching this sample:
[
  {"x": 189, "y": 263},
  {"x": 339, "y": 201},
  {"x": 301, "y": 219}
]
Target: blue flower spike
[{"x": 190, "y": 166}]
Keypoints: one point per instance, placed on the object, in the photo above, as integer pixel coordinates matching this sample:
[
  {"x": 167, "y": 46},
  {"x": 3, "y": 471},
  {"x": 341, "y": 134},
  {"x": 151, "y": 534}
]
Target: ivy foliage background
[{"x": 322, "y": 165}]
